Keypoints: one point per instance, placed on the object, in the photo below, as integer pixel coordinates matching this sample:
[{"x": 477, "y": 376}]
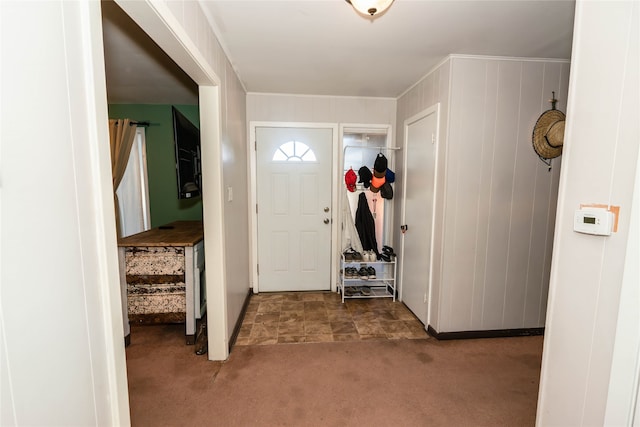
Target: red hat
[{"x": 350, "y": 179}]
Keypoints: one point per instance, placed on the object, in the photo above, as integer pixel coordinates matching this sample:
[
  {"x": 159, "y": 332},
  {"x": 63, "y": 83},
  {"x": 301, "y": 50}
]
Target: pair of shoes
[
  {"x": 350, "y": 273},
  {"x": 387, "y": 254},
  {"x": 369, "y": 256},
  {"x": 352, "y": 255},
  {"x": 371, "y": 272},
  {"x": 350, "y": 291},
  {"x": 363, "y": 273}
]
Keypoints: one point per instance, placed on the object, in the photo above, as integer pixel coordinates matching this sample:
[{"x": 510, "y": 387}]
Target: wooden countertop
[{"x": 180, "y": 233}]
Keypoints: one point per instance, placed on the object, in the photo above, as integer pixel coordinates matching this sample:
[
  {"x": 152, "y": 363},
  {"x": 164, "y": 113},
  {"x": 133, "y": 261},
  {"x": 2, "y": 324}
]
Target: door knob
[
  {"x": 326, "y": 209},
  {"x": 326, "y": 221}
]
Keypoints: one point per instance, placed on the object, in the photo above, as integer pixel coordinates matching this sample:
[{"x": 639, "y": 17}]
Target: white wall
[
  {"x": 62, "y": 344},
  {"x": 601, "y": 157},
  {"x": 495, "y": 198},
  {"x": 234, "y": 160},
  {"x": 500, "y": 198},
  {"x": 322, "y": 109},
  {"x": 625, "y": 367}
]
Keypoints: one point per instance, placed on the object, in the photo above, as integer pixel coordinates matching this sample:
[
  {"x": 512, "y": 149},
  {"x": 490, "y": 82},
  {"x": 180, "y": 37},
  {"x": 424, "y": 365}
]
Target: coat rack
[{"x": 380, "y": 148}]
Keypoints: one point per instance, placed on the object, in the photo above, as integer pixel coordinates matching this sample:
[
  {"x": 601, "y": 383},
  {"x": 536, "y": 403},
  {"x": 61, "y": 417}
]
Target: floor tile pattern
[{"x": 295, "y": 317}]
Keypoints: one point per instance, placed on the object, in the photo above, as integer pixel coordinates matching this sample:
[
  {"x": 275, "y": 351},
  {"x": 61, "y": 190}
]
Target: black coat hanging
[{"x": 366, "y": 225}]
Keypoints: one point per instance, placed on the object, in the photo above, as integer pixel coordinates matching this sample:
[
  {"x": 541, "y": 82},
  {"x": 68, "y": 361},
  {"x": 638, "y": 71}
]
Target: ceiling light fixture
[{"x": 370, "y": 7}]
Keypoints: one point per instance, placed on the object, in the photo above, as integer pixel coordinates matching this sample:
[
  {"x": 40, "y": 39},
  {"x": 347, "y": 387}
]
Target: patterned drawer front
[
  {"x": 164, "y": 260},
  {"x": 156, "y": 299},
  {"x": 155, "y": 289}
]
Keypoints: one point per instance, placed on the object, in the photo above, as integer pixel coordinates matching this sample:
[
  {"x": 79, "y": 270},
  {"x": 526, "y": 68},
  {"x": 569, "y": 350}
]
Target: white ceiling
[{"x": 323, "y": 47}]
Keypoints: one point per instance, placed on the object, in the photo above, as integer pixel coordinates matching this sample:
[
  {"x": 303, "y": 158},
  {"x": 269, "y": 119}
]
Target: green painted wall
[{"x": 161, "y": 161}]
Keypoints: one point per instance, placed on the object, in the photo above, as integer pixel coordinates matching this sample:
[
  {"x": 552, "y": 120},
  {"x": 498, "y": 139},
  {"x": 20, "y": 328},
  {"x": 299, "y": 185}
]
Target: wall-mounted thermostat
[{"x": 593, "y": 221}]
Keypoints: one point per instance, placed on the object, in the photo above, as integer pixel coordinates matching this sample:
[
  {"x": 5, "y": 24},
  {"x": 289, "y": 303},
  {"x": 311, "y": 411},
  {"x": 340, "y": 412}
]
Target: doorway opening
[
  {"x": 158, "y": 25},
  {"x": 361, "y": 145}
]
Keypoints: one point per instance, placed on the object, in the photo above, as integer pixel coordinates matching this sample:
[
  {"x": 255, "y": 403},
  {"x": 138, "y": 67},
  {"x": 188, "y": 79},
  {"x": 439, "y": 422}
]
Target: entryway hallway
[{"x": 287, "y": 317}]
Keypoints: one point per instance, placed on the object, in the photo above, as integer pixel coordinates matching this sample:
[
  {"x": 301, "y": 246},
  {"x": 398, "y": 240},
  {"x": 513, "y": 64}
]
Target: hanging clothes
[
  {"x": 366, "y": 225},
  {"x": 350, "y": 237}
]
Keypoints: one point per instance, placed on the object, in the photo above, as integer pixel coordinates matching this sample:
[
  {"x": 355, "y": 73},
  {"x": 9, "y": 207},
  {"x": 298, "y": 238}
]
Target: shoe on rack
[
  {"x": 388, "y": 250},
  {"x": 385, "y": 257},
  {"x": 365, "y": 290},
  {"x": 351, "y": 255},
  {"x": 363, "y": 273},
  {"x": 372, "y": 272}
]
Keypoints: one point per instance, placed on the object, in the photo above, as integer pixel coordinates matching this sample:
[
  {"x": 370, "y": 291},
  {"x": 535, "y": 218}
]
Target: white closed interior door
[
  {"x": 420, "y": 162},
  {"x": 293, "y": 171}
]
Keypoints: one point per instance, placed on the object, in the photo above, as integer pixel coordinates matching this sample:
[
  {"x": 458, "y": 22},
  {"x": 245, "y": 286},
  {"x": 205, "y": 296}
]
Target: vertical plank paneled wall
[
  {"x": 194, "y": 24},
  {"x": 496, "y": 200},
  {"x": 267, "y": 107}
]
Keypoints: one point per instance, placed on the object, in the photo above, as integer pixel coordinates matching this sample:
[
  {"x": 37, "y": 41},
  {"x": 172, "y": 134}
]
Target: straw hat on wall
[{"x": 548, "y": 134}]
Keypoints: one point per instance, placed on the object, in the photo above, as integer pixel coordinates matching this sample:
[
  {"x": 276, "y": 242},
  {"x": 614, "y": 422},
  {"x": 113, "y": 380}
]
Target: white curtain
[
  {"x": 133, "y": 191},
  {"x": 121, "y": 136}
]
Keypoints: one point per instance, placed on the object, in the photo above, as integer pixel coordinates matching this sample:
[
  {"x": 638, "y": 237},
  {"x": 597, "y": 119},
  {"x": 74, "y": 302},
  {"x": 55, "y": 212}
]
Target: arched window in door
[{"x": 294, "y": 151}]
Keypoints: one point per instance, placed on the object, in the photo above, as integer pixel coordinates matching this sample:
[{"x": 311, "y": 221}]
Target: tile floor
[{"x": 295, "y": 317}]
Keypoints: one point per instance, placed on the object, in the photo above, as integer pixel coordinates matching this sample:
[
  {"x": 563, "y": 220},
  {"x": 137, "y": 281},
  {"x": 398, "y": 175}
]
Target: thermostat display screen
[{"x": 589, "y": 220}]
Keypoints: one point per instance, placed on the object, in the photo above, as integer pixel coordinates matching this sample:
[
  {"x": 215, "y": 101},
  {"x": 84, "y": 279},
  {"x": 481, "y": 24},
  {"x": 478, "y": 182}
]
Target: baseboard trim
[
  {"x": 496, "y": 333},
  {"x": 236, "y": 329}
]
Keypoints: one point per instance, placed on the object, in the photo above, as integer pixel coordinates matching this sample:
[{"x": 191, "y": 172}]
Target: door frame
[
  {"x": 434, "y": 109},
  {"x": 253, "y": 215},
  {"x": 158, "y": 21},
  {"x": 388, "y": 234}
]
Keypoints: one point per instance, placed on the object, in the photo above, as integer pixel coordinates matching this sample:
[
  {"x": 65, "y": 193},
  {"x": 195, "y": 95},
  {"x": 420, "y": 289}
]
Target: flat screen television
[{"x": 187, "y": 144}]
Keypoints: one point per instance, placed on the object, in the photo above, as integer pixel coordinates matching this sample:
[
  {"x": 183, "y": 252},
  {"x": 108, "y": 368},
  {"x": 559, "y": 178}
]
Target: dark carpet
[{"x": 422, "y": 382}]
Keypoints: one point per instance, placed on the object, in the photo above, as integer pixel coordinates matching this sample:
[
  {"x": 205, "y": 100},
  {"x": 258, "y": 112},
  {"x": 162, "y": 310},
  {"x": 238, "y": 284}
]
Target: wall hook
[{"x": 553, "y": 100}]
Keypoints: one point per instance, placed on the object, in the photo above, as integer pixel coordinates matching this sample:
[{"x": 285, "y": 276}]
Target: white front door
[
  {"x": 294, "y": 176},
  {"x": 419, "y": 169}
]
